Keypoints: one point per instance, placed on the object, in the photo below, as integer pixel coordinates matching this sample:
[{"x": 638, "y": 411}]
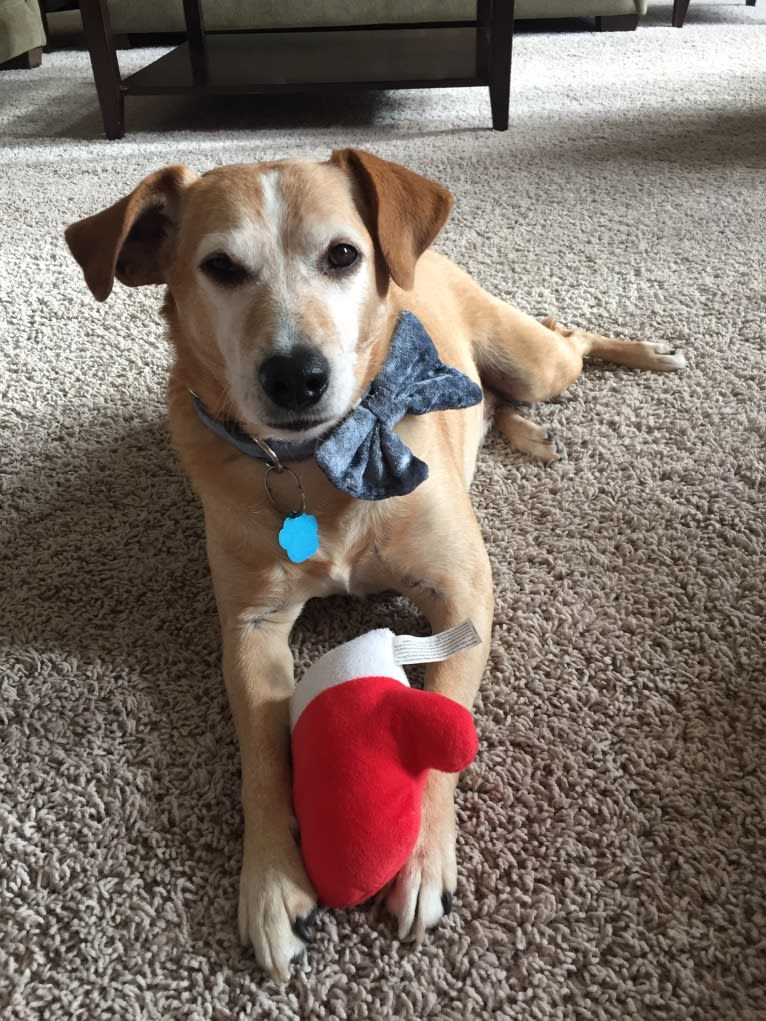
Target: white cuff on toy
[{"x": 379, "y": 653}]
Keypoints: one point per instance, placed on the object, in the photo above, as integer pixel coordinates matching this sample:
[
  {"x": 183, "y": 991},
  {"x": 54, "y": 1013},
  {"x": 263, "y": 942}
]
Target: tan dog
[{"x": 306, "y": 266}]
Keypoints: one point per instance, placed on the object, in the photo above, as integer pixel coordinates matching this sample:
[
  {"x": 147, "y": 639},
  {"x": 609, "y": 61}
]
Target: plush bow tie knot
[{"x": 362, "y": 455}]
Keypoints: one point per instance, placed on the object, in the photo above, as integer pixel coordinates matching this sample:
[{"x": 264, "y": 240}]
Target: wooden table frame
[
  {"x": 680, "y": 7},
  {"x": 436, "y": 54}
]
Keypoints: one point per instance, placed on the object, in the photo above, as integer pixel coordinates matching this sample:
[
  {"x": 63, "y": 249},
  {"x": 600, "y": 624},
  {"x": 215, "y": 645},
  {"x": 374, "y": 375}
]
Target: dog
[{"x": 285, "y": 284}]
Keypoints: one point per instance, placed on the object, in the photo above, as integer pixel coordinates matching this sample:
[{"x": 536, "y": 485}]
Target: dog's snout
[{"x": 297, "y": 380}]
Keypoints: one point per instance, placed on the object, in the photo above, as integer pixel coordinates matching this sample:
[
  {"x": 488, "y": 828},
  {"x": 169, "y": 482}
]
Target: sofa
[
  {"x": 143, "y": 16},
  {"x": 22, "y": 35}
]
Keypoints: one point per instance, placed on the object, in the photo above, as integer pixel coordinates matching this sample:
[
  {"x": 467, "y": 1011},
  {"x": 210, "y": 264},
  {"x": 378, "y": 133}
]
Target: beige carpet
[{"x": 613, "y": 837}]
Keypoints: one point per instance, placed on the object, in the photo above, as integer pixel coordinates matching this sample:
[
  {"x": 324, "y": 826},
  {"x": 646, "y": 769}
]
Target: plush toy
[{"x": 363, "y": 741}]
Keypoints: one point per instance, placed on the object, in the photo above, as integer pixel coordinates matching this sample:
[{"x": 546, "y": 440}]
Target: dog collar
[
  {"x": 285, "y": 451},
  {"x": 362, "y": 455}
]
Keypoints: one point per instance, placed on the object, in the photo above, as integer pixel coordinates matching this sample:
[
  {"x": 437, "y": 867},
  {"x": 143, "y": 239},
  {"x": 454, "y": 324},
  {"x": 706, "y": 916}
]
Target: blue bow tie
[{"x": 362, "y": 455}]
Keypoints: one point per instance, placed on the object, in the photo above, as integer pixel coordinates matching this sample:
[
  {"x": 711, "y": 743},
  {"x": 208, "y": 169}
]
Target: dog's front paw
[
  {"x": 422, "y": 891},
  {"x": 277, "y": 905}
]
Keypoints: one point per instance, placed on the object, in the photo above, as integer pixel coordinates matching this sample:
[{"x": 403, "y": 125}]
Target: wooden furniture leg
[
  {"x": 617, "y": 23},
  {"x": 195, "y": 33},
  {"x": 680, "y": 7},
  {"x": 42, "y": 4},
  {"x": 24, "y": 61},
  {"x": 106, "y": 70},
  {"x": 500, "y": 43},
  {"x": 483, "y": 19}
]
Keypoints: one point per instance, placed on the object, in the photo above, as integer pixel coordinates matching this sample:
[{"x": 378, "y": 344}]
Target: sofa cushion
[
  {"x": 21, "y": 28},
  {"x": 577, "y": 8},
  {"x": 167, "y": 15}
]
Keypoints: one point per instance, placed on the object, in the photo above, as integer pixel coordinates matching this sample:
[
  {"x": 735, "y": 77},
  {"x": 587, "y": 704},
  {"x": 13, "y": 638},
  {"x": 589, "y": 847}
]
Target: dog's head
[{"x": 278, "y": 276}]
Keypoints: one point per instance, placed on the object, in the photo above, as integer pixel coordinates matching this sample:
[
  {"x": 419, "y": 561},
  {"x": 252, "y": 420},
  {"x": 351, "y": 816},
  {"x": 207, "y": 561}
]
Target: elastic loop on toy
[{"x": 408, "y": 649}]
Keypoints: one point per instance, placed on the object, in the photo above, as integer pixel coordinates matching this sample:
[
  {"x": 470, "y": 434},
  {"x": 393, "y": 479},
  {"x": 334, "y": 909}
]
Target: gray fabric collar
[{"x": 286, "y": 451}]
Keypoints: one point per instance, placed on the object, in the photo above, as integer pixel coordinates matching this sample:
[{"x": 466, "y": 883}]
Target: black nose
[{"x": 296, "y": 380}]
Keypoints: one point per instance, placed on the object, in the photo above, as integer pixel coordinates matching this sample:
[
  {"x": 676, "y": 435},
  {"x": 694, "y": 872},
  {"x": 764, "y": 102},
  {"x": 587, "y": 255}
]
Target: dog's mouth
[{"x": 298, "y": 428}]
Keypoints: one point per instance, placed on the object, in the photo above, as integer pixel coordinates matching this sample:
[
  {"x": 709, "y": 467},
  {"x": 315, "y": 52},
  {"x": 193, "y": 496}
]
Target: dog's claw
[
  {"x": 421, "y": 893},
  {"x": 302, "y": 927}
]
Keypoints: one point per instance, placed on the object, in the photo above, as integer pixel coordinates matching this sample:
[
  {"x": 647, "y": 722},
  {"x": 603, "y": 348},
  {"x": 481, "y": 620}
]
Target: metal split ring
[
  {"x": 280, "y": 469},
  {"x": 271, "y": 457}
]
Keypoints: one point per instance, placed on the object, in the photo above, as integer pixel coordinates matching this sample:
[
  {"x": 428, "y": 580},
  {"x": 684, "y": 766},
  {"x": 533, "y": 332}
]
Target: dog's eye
[
  {"x": 224, "y": 270},
  {"x": 342, "y": 256}
]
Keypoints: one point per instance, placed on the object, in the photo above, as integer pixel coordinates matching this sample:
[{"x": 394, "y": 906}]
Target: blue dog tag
[{"x": 299, "y": 537}]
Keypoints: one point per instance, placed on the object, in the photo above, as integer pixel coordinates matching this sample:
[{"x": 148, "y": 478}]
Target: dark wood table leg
[
  {"x": 500, "y": 43},
  {"x": 680, "y": 7},
  {"x": 195, "y": 32},
  {"x": 44, "y": 17},
  {"x": 483, "y": 19},
  {"x": 106, "y": 70}
]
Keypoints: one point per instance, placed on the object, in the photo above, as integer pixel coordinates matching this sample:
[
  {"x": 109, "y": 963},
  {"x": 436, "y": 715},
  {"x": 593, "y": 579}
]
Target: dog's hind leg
[
  {"x": 521, "y": 359},
  {"x": 635, "y": 354}
]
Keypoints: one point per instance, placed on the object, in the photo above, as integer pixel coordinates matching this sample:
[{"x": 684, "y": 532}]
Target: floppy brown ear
[
  {"x": 407, "y": 210},
  {"x": 130, "y": 239}
]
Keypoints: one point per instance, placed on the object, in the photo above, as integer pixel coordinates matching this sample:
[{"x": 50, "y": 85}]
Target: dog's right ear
[{"x": 131, "y": 239}]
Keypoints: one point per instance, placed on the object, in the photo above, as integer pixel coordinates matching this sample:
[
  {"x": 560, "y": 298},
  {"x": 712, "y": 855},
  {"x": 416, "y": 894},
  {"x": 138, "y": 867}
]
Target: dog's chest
[
  {"x": 360, "y": 579},
  {"x": 348, "y": 561}
]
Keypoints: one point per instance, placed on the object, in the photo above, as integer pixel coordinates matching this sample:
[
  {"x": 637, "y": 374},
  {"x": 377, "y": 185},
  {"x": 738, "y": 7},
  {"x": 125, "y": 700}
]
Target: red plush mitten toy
[{"x": 363, "y": 741}]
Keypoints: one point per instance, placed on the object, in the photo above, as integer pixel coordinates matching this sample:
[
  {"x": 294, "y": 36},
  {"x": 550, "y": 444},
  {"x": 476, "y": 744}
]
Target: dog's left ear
[{"x": 407, "y": 211}]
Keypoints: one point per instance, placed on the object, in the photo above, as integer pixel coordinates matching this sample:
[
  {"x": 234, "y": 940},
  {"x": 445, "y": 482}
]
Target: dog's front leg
[
  {"x": 276, "y": 896},
  {"x": 452, "y": 584}
]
